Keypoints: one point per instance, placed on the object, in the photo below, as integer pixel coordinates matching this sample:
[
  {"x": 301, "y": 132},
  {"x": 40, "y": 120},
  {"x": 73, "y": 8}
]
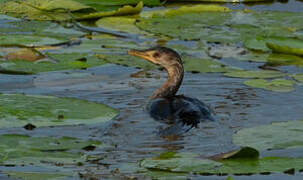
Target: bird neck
[{"x": 173, "y": 83}]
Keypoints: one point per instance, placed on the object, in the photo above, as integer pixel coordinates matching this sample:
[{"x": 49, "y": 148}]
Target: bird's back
[{"x": 189, "y": 111}]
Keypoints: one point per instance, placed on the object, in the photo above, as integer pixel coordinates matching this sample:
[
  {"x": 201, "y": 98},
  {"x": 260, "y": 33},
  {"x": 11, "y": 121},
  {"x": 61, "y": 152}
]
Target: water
[{"x": 133, "y": 135}]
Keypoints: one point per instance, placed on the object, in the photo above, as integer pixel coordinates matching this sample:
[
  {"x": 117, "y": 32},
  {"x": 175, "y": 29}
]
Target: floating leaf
[
  {"x": 19, "y": 110},
  {"x": 39, "y": 175},
  {"x": 284, "y": 60},
  {"x": 278, "y": 85},
  {"x": 101, "y": 4},
  {"x": 234, "y": 26},
  {"x": 125, "y": 10},
  {"x": 24, "y": 54},
  {"x": 255, "y": 74},
  {"x": 179, "y": 163},
  {"x": 62, "y": 62},
  {"x": 192, "y": 64},
  {"x": 243, "y": 153},
  {"x": 192, "y": 163},
  {"x": 43, "y": 9},
  {"x": 298, "y": 77},
  {"x": 274, "y": 136},
  {"x": 29, "y": 40},
  {"x": 291, "y": 46},
  {"x": 124, "y": 24},
  {"x": 25, "y": 150}
]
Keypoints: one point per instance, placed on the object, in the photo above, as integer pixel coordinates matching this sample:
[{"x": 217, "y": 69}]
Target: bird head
[{"x": 163, "y": 56}]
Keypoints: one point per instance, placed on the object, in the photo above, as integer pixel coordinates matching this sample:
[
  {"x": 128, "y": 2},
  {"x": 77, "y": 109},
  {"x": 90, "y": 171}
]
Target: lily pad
[
  {"x": 281, "y": 135},
  {"x": 43, "y": 9},
  {"x": 19, "y": 110},
  {"x": 255, "y": 74},
  {"x": 278, "y": 85},
  {"x": 292, "y": 46},
  {"x": 28, "y": 40},
  {"x": 58, "y": 62},
  {"x": 284, "y": 60},
  {"x": 125, "y": 10},
  {"x": 180, "y": 163},
  {"x": 124, "y": 24},
  {"x": 226, "y": 26},
  {"x": 192, "y": 64},
  {"x": 39, "y": 175},
  {"x": 25, "y": 150},
  {"x": 101, "y": 4},
  {"x": 298, "y": 77}
]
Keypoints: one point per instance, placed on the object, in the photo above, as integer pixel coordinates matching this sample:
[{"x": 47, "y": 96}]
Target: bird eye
[{"x": 156, "y": 55}]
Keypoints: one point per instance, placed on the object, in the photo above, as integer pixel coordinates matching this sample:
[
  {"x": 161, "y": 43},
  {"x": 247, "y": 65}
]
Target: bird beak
[{"x": 141, "y": 54}]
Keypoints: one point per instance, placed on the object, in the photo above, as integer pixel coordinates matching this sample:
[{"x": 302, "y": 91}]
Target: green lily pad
[
  {"x": 45, "y": 151},
  {"x": 274, "y": 136},
  {"x": 284, "y": 60},
  {"x": 192, "y": 64},
  {"x": 226, "y": 26},
  {"x": 192, "y": 163},
  {"x": 38, "y": 175},
  {"x": 40, "y": 29},
  {"x": 125, "y": 10},
  {"x": 63, "y": 62},
  {"x": 124, "y": 24},
  {"x": 29, "y": 40},
  {"x": 43, "y": 9},
  {"x": 259, "y": 43},
  {"x": 101, "y": 4},
  {"x": 292, "y": 46},
  {"x": 278, "y": 85},
  {"x": 298, "y": 77},
  {"x": 19, "y": 110},
  {"x": 255, "y": 74},
  {"x": 179, "y": 163}
]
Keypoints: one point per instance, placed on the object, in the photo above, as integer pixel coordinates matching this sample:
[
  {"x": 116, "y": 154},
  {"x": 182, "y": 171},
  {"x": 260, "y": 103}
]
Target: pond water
[{"x": 133, "y": 135}]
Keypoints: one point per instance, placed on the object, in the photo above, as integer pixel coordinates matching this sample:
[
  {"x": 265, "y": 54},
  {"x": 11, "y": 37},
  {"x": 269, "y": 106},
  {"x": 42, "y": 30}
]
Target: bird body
[
  {"x": 189, "y": 111},
  {"x": 165, "y": 105}
]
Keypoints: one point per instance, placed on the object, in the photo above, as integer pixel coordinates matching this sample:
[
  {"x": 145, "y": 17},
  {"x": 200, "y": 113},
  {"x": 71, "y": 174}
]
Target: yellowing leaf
[
  {"x": 125, "y": 10},
  {"x": 40, "y": 9},
  {"x": 185, "y": 9}
]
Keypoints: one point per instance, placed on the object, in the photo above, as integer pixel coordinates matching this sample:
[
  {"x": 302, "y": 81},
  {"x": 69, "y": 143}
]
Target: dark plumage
[{"x": 165, "y": 105}]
